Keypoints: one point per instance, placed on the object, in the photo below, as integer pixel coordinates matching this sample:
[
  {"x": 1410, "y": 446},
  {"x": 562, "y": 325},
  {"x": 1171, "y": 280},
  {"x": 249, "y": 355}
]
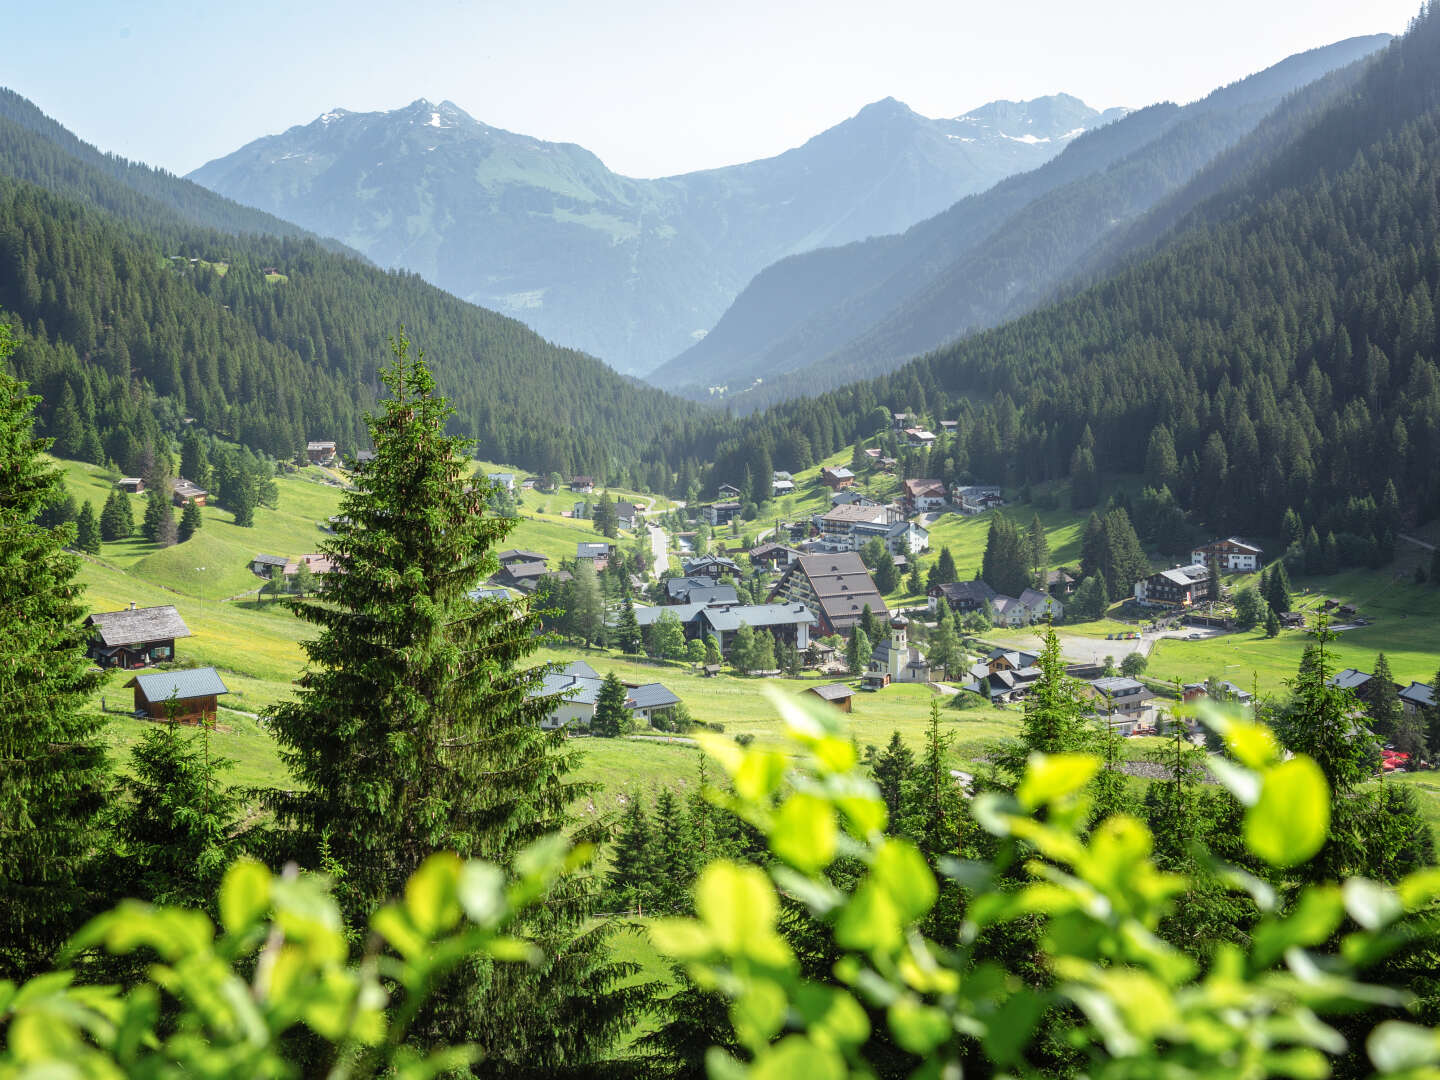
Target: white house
[{"x": 1232, "y": 554}]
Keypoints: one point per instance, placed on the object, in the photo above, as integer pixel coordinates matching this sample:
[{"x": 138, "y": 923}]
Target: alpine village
[{"x": 1003, "y": 640}]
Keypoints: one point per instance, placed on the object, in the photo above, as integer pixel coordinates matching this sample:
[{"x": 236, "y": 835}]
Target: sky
[{"x": 654, "y": 87}]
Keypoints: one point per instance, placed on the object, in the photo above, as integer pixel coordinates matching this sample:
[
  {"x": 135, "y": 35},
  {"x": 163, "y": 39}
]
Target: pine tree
[
  {"x": 1038, "y": 549},
  {"x": 763, "y": 658},
  {"x": 944, "y": 646},
  {"x": 892, "y": 768},
  {"x": 1055, "y": 715},
  {"x": 742, "y": 649},
  {"x": 1272, "y": 624},
  {"x": 87, "y": 530},
  {"x": 116, "y": 521},
  {"x": 945, "y": 569},
  {"x": 190, "y": 521},
  {"x": 627, "y": 630},
  {"x": 53, "y": 771},
  {"x": 935, "y": 816},
  {"x": 415, "y": 729},
  {"x": 194, "y": 461},
  {"x": 611, "y": 715},
  {"x": 585, "y": 605},
  {"x": 887, "y": 578},
  {"x": 631, "y": 881},
  {"x": 870, "y": 623},
  {"x": 914, "y": 584}
]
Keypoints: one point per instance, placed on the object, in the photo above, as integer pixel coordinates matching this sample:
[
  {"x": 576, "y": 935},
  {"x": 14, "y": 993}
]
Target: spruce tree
[
  {"x": 1272, "y": 624},
  {"x": 190, "y": 521},
  {"x": 159, "y": 524},
  {"x": 630, "y": 882},
  {"x": 175, "y": 828},
  {"x": 87, "y": 530},
  {"x": 742, "y": 649},
  {"x": 945, "y": 569},
  {"x": 116, "y": 519},
  {"x": 914, "y": 584},
  {"x": 1279, "y": 589},
  {"x": 611, "y": 715},
  {"x": 627, "y": 630},
  {"x": 53, "y": 771},
  {"x": 1038, "y": 550},
  {"x": 415, "y": 729},
  {"x": 674, "y": 854},
  {"x": 1384, "y": 706},
  {"x": 857, "y": 652},
  {"x": 892, "y": 768},
  {"x": 763, "y": 658}
]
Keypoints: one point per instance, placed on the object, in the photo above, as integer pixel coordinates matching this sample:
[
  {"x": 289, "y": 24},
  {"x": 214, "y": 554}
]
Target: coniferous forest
[{"x": 427, "y": 886}]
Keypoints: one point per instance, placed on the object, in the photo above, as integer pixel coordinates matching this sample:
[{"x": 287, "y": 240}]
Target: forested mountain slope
[
  {"x": 1280, "y": 351},
  {"x": 838, "y": 315},
  {"x": 630, "y": 270},
  {"x": 134, "y": 316}
]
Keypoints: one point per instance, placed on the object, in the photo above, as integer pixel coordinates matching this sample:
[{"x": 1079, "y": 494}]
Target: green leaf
[
  {"x": 1251, "y": 744},
  {"x": 1371, "y": 904},
  {"x": 900, "y": 868},
  {"x": 684, "y": 939},
  {"x": 1008, "y": 1032},
  {"x": 1238, "y": 780},
  {"x": 804, "y": 832},
  {"x": 1291, "y": 819},
  {"x": 481, "y": 891},
  {"x": 831, "y": 1015},
  {"x": 760, "y": 774},
  {"x": 1395, "y": 1045},
  {"x": 1315, "y": 917},
  {"x": 244, "y": 895},
  {"x": 1420, "y": 888},
  {"x": 734, "y": 902},
  {"x": 917, "y": 1027},
  {"x": 795, "y": 1057},
  {"x": 870, "y": 920},
  {"x": 1051, "y": 777},
  {"x": 432, "y": 894},
  {"x": 758, "y": 1012}
]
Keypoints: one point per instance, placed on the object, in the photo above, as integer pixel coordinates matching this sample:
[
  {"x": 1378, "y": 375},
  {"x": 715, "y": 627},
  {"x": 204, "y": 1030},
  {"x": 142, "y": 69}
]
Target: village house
[
  {"x": 135, "y": 636},
  {"x": 789, "y": 622},
  {"x": 1126, "y": 703},
  {"x": 711, "y": 566},
  {"x": 514, "y": 556},
  {"x": 836, "y": 478},
  {"x": 503, "y": 480},
  {"x": 1010, "y": 660},
  {"x": 482, "y": 592},
  {"x": 1180, "y": 586},
  {"x": 576, "y": 688},
  {"x": 363, "y": 460},
  {"x": 901, "y": 420},
  {"x": 836, "y": 587},
  {"x": 1361, "y": 683},
  {"x": 699, "y": 590},
  {"x": 721, "y": 513},
  {"x": 836, "y": 694},
  {"x": 183, "y": 491},
  {"x": 1232, "y": 553},
  {"x": 268, "y": 566},
  {"x": 949, "y": 427},
  {"x": 315, "y": 563},
  {"x": 1417, "y": 698},
  {"x": 1030, "y": 606},
  {"x": 1059, "y": 583},
  {"x": 1225, "y": 691},
  {"x": 851, "y": 498},
  {"x": 919, "y": 437},
  {"x": 191, "y": 694},
  {"x": 626, "y": 514},
  {"x": 782, "y": 483},
  {"x": 895, "y": 660},
  {"x": 131, "y": 485},
  {"x": 972, "y": 499},
  {"x": 595, "y": 552},
  {"x": 320, "y": 452},
  {"x": 849, "y": 528},
  {"x": 923, "y": 496},
  {"x": 728, "y": 491},
  {"x": 962, "y": 596},
  {"x": 773, "y": 555},
  {"x": 582, "y": 485}
]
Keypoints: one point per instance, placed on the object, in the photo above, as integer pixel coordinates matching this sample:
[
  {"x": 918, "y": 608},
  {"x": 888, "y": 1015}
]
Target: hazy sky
[{"x": 652, "y": 87}]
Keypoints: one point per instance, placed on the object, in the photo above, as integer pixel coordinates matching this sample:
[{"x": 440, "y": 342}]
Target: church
[{"x": 895, "y": 661}]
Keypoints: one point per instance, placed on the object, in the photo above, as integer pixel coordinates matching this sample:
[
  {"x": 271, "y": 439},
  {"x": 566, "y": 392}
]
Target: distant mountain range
[
  {"x": 832, "y": 316},
  {"x": 633, "y": 271}
]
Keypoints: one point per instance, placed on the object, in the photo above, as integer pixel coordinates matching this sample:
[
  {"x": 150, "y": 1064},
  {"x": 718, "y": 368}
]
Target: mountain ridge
[{"x": 632, "y": 270}]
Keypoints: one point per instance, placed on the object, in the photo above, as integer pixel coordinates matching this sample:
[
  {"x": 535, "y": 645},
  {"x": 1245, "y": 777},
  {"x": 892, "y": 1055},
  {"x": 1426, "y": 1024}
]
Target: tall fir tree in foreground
[
  {"x": 416, "y": 729},
  {"x": 52, "y": 761}
]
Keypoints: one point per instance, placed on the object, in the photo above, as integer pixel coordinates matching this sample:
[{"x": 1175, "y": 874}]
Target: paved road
[{"x": 659, "y": 552}]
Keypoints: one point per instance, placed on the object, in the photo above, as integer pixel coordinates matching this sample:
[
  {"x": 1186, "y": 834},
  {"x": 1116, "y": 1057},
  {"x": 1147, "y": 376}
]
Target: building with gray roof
[{"x": 135, "y": 636}]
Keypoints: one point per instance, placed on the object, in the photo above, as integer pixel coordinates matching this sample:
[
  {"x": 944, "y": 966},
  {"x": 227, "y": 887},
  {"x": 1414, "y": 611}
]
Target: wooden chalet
[
  {"x": 320, "y": 451},
  {"x": 193, "y": 694},
  {"x": 135, "y": 637},
  {"x": 182, "y": 491},
  {"x": 837, "y": 694},
  {"x": 131, "y": 485}
]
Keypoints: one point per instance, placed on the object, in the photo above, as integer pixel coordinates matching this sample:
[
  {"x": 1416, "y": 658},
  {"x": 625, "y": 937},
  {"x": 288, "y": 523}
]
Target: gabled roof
[
  {"x": 1119, "y": 686},
  {"x": 853, "y": 513},
  {"x": 1419, "y": 693},
  {"x": 728, "y": 618},
  {"x": 842, "y": 585},
  {"x": 1349, "y": 679},
  {"x": 269, "y": 560},
  {"x": 646, "y": 615},
  {"x": 692, "y": 565},
  {"x": 966, "y": 592},
  {"x": 1233, "y": 541},
  {"x": 830, "y": 692},
  {"x": 651, "y": 696},
  {"x": 320, "y": 444},
  {"x": 521, "y": 555},
  {"x": 521, "y": 570},
  {"x": 183, "y": 685},
  {"x": 916, "y": 488},
  {"x": 485, "y": 593},
  {"x": 136, "y": 625},
  {"x": 838, "y": 472},
  {"x": 591, "y": 549}
]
